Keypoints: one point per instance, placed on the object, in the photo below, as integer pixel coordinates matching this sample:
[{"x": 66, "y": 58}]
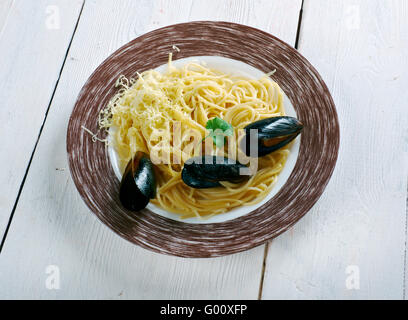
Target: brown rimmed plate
[{"x": 97, "y": 184}]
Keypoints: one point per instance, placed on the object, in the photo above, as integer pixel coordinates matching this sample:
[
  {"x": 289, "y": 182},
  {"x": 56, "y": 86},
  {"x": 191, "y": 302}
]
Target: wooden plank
[
  {"x": 33, "y": 42},
  {"x": 5, "y": 9},
  {"x": 52, "y": 226},
  {"x": 276, "y": 17},
  {"x": 358, "y": 228}
]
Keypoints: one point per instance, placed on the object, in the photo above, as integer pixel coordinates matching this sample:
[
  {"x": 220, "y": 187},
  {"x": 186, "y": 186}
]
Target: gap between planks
[
  {"x": 265, "y": 256},
  {"x": 405, "y": 251},
  {"x": 299, "y": 25},
  {"x": 266, "y": 249},
  {"x": 41, "y": 129}
]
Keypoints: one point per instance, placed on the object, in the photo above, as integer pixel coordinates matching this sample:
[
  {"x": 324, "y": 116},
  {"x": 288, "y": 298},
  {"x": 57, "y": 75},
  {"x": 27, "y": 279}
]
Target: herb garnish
[{"x": 219, "y": 129}]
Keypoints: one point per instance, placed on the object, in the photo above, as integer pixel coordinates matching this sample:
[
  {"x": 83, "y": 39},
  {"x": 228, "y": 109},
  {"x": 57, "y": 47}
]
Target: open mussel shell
[
  {"x": 206, "y": 171},
  {"x": 271, "y": 134},
  {"x": 138, "y": 183}
]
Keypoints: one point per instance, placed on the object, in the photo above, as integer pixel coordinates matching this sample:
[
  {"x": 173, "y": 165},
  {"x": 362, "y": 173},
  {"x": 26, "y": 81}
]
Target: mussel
[
  {"x": 271, "y": 135},
  {"x": 138, "y": 183},
  {"x": 206, "y": 171}
]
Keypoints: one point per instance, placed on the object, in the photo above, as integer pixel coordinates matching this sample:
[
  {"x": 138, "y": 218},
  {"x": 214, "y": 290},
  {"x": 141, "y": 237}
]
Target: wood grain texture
[
  {"x": 275, "y": 17},
  {"x": 359, "y": 224},
  {"x": 5, "y": 9},
  {"x": 31, "y": 56},
  {"x": 52, "y": 226}
]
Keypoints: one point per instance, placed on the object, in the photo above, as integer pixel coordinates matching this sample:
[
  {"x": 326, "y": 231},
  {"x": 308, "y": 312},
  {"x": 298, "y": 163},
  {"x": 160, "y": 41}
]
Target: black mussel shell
[
  {"x": 273, "y": 134},
  {"x": 138, "y": 183},
  {"x": 207, "y": 171}
]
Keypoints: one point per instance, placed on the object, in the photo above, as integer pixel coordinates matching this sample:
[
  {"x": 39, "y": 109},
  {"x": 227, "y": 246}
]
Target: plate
[{"x": 225, "y": 46}]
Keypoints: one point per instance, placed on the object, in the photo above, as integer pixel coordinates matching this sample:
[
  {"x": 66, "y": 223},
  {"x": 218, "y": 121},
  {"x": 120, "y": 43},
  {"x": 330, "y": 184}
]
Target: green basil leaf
[{"x": 219, "y": 129}]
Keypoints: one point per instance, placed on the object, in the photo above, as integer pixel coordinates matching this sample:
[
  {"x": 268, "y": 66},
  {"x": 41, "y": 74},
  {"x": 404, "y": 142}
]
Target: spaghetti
[{"x": 146, "y": 111}]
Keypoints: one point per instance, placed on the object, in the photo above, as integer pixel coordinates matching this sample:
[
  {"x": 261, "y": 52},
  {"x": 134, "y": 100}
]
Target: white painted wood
[
  {"x": 31, "y": 55},
  {"x": 276, "y": 17},
  {"x": 361, "y": 49},
  {"x": 52, "y": 226},
  {"x": 5, "y": 9}
]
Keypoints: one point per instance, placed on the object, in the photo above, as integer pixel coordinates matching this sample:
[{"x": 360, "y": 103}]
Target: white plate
[{"x": 237, "y": 68}]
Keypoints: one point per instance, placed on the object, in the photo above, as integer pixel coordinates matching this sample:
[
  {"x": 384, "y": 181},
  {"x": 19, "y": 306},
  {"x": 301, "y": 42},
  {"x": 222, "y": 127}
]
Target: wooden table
[{"x": 351, "y": 245}]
